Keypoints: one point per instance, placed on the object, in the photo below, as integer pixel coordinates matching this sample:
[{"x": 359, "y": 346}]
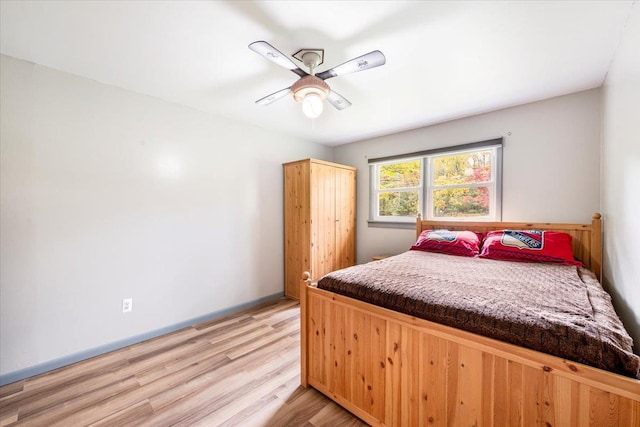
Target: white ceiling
[{"x": 445, "y": 60}]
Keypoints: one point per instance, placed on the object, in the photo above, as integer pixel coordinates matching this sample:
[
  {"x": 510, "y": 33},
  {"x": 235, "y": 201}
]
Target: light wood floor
[{"x": 242, "y": 370}]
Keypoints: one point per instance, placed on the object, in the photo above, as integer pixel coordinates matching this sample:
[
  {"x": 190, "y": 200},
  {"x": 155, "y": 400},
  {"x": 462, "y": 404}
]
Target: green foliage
[
  {"x": 460, "y": 169},
  {"x": 400, "y": 175},
  {"x": 461, "y": 202},
  {"x": 403, "y": 203}
]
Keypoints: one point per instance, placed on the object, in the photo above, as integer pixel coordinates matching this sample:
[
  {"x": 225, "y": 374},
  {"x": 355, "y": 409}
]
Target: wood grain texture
[
  {"x": 319, "y": 219},
  {"x": 437, "y": 375},
  {"x": 432, "y": 374},
  {"x": 297, "y": 223},
  {"x": 586, "y": 239},
  {"x": 243, "y": 369}
]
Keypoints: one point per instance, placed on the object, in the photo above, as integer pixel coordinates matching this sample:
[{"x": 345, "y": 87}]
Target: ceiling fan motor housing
[
  {"x": 310, "y": 57},
  {"x": 307, "y": 85}
]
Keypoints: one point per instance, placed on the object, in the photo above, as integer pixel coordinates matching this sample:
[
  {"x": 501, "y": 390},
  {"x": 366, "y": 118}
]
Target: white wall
[
  {"x": 107, "y": 194},
  {"x": 621, "y": 177},
  {"x": 551, "y": 161}
]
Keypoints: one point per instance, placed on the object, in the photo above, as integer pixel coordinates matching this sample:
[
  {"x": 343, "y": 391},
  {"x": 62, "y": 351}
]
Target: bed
[{"x": 392, "y": 369}]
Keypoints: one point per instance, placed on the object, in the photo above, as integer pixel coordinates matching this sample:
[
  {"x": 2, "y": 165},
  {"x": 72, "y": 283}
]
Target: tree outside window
[
  {"x": 459, "y": 187},
  {"x": 400, "y": 186},
  {"x": 455, "y": 185}
]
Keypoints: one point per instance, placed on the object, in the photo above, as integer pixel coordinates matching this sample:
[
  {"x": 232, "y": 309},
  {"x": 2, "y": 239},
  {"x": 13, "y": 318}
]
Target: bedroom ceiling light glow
[
  {"x": 311, "y": 92},
  {"x": 312, "y": 106}
]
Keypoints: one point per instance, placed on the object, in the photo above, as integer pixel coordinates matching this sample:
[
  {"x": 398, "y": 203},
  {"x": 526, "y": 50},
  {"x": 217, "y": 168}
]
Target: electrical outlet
[{"x": 127, "y": 305}]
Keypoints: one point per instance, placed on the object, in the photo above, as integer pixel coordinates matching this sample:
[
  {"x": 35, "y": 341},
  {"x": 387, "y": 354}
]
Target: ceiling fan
[{"x": 311, "y": 90}]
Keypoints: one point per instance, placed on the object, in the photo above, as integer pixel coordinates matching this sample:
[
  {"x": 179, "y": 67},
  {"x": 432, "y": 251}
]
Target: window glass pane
[
  {"x": 399, "y": 203},
  {"x": 461, "y": 202},
  {"x": 400, "y": 175},
  {"x": 462, "y": 168}
]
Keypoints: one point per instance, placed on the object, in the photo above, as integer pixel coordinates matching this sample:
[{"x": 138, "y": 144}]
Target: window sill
[{"x": 391, "y": 224}]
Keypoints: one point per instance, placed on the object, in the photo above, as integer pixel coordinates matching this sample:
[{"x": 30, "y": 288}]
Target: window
[
  {"x": 399, "y": 189},
  {"x": 457, "y": 183}
]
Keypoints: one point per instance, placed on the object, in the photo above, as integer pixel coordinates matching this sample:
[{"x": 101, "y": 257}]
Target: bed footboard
[{"x": 391, "y": 369}]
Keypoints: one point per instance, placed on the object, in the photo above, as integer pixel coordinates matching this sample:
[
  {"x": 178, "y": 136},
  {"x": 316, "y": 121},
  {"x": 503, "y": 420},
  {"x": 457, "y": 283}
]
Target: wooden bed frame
[{"x": 392, "y": 369}]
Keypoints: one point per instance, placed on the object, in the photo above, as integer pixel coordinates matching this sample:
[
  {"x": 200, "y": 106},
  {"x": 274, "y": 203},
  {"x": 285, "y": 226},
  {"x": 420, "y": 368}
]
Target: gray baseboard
[{"x": 41, "y": 368}]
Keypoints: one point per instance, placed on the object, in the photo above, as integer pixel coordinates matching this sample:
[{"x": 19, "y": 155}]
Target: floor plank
[{"x": 243, "y": 369}]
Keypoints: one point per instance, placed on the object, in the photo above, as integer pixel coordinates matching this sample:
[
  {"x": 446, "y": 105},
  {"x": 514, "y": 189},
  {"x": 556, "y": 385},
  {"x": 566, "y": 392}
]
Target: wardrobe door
[
  {"x": 345, "y": 195},
  {"x": 297, "y": 222},
  {"x": 323, "y": 219}
]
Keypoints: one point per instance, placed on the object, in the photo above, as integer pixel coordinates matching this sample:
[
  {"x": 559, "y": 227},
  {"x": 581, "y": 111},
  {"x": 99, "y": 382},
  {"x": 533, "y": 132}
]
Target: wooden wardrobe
[{"x": 319, "y": 220}]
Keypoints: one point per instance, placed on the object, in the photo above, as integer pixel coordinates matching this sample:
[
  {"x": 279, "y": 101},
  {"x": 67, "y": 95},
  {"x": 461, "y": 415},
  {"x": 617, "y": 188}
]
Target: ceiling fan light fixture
[
  {"x": 312, "y": 105},
  {"x": 311, "y": 92}
]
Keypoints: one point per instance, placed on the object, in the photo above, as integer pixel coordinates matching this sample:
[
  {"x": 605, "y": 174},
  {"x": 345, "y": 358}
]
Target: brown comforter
[{"x": 556, "y": 309}]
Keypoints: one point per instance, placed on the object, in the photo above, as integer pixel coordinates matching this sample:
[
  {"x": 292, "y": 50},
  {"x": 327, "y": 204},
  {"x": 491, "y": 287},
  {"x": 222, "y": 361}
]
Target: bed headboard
[{"x": 586, "y": 238}]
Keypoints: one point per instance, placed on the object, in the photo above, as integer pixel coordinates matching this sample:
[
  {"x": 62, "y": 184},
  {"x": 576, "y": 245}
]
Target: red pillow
[
  {"x": 528, "y": 245},
  {"x": 462, "y": 243}
]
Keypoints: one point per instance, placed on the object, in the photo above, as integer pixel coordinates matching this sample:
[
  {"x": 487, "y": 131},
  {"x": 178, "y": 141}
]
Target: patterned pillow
[
  {"x": 462, "y": 243},
  {"x": 528, "y": 246}
]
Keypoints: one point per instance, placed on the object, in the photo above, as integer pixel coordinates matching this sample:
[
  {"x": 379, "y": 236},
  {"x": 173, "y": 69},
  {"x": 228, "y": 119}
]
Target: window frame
[
  {"x": 375, "y": 190},
  {"x": 425, "y": 198}
]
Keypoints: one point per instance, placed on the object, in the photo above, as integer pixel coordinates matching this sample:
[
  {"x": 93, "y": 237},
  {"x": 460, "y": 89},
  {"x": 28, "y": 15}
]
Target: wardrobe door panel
[{"x": 297, "y": 244}]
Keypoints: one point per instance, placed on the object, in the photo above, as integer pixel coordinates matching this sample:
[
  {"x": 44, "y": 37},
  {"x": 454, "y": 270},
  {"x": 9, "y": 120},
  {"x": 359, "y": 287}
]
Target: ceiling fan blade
[
  {"x": 361, "y": 63},
  {"x": 338, "y": 101},
  {"x": 273, "y": 97},
  {"x": 271, "y": 53}
]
